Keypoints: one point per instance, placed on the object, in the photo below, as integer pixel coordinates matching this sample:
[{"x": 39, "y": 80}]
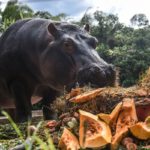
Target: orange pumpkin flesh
[
  {"x": 87, "y": 96},
  {"x": 126, "y": 119},
  {"x": 141, "y": 130},
  {"x": 111, "y": 118},
  {"x": 93, "y": 133},
  {"x": 68, "y": 141},
  {"x": 73, "y": 93}
]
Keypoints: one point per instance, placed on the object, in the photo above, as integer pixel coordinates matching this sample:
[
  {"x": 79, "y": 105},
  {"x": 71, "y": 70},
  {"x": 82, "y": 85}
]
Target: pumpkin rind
[
  {"x": 141, "y": 130},
  {"x": 118, "y": 137},
  {"x": 126, "y": 119},
  {"x": 68, "y": 141},
  {"x": 87, "y": 96},
  {"x": 111, "y": 118},
  {"x": 93, "y": 133}
]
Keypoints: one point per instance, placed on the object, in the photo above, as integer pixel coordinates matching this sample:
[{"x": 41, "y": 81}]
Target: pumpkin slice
[
  {"x": 141, "y": 130},
  {"x": 73, "y": 93},
  {"x": 93, "y": 133},
  {"x": 126, "y": 119},
  {"x": 116, "y": 139},
  {"x": 68, "y": 141},
  {"x": 111, "y": 118},
  {"x": 87, "y": 96}
]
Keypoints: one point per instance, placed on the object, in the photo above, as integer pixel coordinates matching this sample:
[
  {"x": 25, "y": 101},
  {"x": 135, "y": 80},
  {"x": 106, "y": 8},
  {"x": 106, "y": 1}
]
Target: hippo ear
[
  {"x": 53, "y": 30},
  {"x": 87, "y": 27}
]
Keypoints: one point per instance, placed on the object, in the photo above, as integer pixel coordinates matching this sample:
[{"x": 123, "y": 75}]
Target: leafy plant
[{"x": 34, "y": 138}]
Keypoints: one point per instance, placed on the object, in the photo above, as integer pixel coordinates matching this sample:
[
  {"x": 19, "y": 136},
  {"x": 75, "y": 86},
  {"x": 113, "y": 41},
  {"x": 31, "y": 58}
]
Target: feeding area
[{"x": 104, "y": 118}]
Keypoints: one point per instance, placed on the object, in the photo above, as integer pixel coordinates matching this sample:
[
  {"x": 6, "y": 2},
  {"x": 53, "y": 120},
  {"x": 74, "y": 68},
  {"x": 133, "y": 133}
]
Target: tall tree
[
  {"x": 139, "y": 20},
  {"x": 87, "y": 18},
  {"x": 108, "y": 25},
  {"x": 60, "y": 17},
  {"x": 43, "y": 14},
  {"x": 47, "y": 15},
  {"x": 15, "y": 11}
]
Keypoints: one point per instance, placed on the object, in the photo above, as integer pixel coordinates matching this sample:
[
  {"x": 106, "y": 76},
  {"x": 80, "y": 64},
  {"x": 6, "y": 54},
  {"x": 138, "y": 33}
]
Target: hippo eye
[{"x": 68, "y": 45}]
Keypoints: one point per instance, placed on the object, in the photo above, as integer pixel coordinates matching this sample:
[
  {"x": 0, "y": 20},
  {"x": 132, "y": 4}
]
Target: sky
[{"x": 124, "y": 9}]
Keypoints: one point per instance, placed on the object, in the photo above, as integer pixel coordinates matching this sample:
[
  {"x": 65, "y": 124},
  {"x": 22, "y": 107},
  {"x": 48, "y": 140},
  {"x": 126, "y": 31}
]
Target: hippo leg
[
  {"x": 22, "y": 101},
  {"x": 48, "y": 98},
  {"x": 11, "y": 112}
]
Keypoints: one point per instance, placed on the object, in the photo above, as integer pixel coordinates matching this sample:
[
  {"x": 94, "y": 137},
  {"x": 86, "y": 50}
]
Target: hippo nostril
[{"x": 100, "y": 75}]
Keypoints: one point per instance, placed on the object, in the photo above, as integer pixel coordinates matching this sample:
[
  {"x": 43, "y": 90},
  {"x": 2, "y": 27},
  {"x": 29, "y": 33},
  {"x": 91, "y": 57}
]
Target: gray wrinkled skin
[{"x": 39, "y": 57}]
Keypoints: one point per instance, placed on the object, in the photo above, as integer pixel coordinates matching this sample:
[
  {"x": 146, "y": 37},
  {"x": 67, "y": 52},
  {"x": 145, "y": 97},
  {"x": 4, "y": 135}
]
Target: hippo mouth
[{"x": 97, "y": 75}]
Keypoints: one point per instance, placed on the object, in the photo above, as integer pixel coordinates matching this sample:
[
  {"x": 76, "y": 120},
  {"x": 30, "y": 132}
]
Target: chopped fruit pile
[
  {"x": 105, "y": 117},
  {"x": 104, "y": 130}
]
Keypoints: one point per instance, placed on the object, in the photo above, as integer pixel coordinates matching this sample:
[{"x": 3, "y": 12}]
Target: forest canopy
[{"x": 127, "y": 47}]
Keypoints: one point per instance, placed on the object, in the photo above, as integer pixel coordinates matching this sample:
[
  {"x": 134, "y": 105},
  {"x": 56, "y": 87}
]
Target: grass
[{"x": 31, "y": 141}]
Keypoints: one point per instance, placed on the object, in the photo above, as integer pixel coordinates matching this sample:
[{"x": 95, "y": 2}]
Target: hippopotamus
[{"x": 39, "y": 57}]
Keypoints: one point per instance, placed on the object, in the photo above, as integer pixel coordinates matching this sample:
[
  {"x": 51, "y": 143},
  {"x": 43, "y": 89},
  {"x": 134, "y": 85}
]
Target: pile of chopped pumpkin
[
  {"x": 98, "y": 131},
  {"x": 105, "y": 117}
]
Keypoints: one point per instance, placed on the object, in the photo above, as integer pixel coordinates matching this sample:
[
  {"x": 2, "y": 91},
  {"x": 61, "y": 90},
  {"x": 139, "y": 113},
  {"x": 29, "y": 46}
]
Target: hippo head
[{"x": 74, "y": 58}]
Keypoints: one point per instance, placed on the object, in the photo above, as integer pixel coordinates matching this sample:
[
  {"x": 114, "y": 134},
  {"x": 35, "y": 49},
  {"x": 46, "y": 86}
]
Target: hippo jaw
[{"x": 97, "y": 75}]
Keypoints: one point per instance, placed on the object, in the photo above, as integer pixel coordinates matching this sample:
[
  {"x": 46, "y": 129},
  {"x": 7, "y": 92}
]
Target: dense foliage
[{"x": 128, "y": 48}]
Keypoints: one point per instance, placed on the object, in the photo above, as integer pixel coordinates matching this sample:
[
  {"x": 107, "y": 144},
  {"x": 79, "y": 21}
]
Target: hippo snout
[{"x": 97, "y": 75}]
